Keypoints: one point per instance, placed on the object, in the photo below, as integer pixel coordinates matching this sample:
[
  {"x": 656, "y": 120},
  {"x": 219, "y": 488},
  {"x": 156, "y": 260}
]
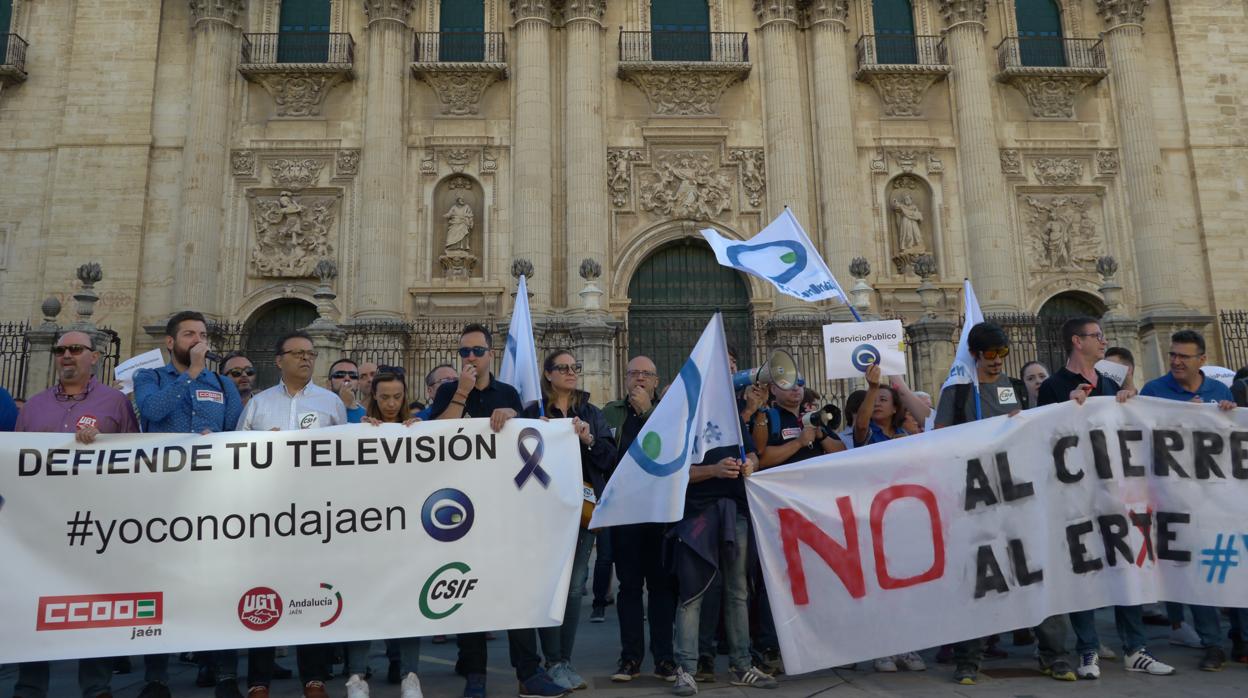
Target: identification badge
[
  {"x": 210, "y": 396},
  {"x": 587, "y": 493},
  {"x": 1005, "y": 396},
  {"x": 790, "y": 433},
  {"x": 87, "y": 421},
  {"x": 309, "y": 420}
]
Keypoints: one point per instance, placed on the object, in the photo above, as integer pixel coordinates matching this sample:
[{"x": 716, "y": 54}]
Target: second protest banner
[{"x": 999, "y": 524}]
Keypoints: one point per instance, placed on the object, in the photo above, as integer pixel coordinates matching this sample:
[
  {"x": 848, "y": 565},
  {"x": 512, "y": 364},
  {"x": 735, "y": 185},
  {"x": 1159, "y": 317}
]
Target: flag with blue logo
[
  {"x": 697, "y": 413},
  {"x": 782, "y": 254},
  {"x": 963, "y": 369},
  {"x": 519, "y": 369}
]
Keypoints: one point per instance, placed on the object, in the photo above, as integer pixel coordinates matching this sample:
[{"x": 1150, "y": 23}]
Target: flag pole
[{"x": 732, "y": 389}]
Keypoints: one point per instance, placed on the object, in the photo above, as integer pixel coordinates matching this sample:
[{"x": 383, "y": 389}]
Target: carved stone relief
[
  {"x": 753, "y": 179},
  {"x": 1116, "y": 12},
  {"x": 901, "y": 93},
  {"x": 685, "y": 184},
  {"x": 348, "y": 163},
  {"x": 619, "y": 175},
  {"x": 459, "y": 88},
  {"x": 1051, "y": 96},
  {"x": 1058, "y": 170},
  {"x": 909, "y": 220},
  {"x": 243, "y": 163},
  {"x": 292, "y": 232},
  {"x": 457, "y": 158},
  {"x": 429, "y": 162},
  {"x": 489, "y": 161},
  {"x": 296, "y": 174},
  {"x": 459, "y": 212},
  {"x": 689, "y": 89},
  {"x": 1106, "y": 162},
  {"x": 1011, "y": 161},
  {"x": 955, "y": 11},
  {"x": 1062, "y": 230},
  {"x": 299, "y": 94}
]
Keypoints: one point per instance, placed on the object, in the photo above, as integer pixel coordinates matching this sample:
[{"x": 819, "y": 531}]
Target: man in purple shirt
[{"x": 81, "y": 405}]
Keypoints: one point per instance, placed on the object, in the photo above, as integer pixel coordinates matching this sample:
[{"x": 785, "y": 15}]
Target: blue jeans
[
  {"x": 1239, "y": 624},
  {"x": 736, "y": 611},
  {"x": 1128, "y": 619},
  {"x": 409, "y": 655},
  {"x": 94, "y": 676},
  {"x": 557, "y": 641},
  {"x": 1204, "y": 619}
]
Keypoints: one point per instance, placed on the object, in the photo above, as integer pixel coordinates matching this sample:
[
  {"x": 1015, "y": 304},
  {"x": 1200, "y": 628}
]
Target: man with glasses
[
  {"x": 184, "y": 397},
  {"x": 344, "y": 379},
  {"x": 1187, "y": 383},
  {"x": 477, "y": 394},
  {"x": 239, "y": 369},
  {"x": 1078, "y": 380},
  {"x": 76, "y": 404}
]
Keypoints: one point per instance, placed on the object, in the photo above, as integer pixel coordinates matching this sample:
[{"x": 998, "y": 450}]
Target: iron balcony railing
[
  {"x": 298, "y": 47},
  {"x": 14, "y": 53},
  {"x": 460, "y": 47},
  {"x": 687, "y": 47},
  {"x": 1051, "y": 52},
  {"x": 901, "y": 49}
]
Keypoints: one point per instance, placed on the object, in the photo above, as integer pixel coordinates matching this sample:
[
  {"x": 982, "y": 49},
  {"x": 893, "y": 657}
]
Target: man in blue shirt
[
  {"x": 8, "y": 411},
  {"x": 1187, "y": 383}
]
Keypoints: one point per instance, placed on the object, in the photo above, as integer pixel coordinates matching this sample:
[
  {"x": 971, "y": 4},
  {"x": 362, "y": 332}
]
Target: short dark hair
[
  {"x": 429, "y": 375},
  {"x": 171, "y": 327},
  {"x": 1122, "y": 353},
  {"x": 1073, "y": 327},
  {"x": 343, "y": 360},
  {"x": 478, "y": 327},
  {"x": 279, "y": 347},
  {"x": 1189, "y": 337},
  {"x": 233, "y": 355},
  {"x": 986, "y": 335},
  {"x": 1241, "y": 374},
  {"x": 853, "y": 402},
  {"x": 732, "y": 354}
]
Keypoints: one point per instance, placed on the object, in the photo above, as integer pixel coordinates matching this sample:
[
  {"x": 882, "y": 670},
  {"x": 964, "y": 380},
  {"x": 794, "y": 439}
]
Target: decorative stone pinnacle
[
  {"x": 90, "y": 274},
  {"x": 859, "y": 268},
  {"x": 521, "y": 267},
  {"x": 51, "y": 308},
  {"x": 1106, "y": 266},
  {"x": 1118, "y": 12},
  {"x": 590, "y": 270},
  {"x": 958, "y": 11},
  {"x": 924, "y": 266},
  {"x": 326, "y": 270}
]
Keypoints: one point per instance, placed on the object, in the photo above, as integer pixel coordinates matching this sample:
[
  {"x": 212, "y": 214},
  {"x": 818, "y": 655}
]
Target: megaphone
[
  {"x": 780, "y": 369},
  {"x": 828, "y": 417}
]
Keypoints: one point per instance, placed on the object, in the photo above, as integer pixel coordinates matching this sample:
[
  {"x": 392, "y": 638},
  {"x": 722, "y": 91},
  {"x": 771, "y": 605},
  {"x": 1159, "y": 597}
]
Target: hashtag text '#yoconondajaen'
[{"x": 312, "y": 523}]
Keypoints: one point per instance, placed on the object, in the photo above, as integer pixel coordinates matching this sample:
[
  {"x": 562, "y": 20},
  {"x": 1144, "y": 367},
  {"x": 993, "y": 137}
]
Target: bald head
[
  {"x": 75, "y": 364},
  {"x": 642, "y": 372}
]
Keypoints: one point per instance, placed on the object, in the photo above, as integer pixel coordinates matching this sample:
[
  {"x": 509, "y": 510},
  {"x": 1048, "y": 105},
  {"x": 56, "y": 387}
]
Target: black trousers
[
  {"x": 638, "y": 553},
  {"x": 522, "y": 644}
]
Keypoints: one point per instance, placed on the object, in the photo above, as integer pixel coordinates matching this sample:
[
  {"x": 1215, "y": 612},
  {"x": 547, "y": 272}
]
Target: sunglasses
[
  {"x": 309, "y": 355},
  {"x": 73, "y": 349},
  {"x": 565, "y": 369},
  {"x": 337, "y": 375},
  {"x": 239, "y": 372},
  {"x": 998, "y": 353},
  {"x": 465, "y": 352}
]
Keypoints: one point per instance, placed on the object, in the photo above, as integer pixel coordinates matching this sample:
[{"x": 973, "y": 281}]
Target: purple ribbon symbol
[{"x": 532, "y": 460}]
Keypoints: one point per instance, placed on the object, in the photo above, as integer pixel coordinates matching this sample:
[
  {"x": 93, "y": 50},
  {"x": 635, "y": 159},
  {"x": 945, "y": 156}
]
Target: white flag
[
  {"x": 519, "y": 369},
  {"x": 782, "y": 254},
  {"x": 698, "y": 413},
  {"x": 963, "y": 369}
]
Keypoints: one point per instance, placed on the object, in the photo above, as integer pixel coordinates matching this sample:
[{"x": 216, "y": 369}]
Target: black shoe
[
  {"x": 706, "y": 670},
  {"x": 771, "y": 662},
  {"x": 665, "y": 669},
  {"x": 1239, "y": 651},
  {"x": 227, "y": 689},
  {"x": 121, "y": 665},
  {"x": 965, "y": 674},
  {"x": 155, "y": 689},
  {"x": 206, "y": 677},
  {"x": 281, "y": 672},
  {"x": 392, "y": 673},
  {"x": 1213, "y": 660},
  {"x": 598, "y": 614},
  {"x": 627, "y": 671}
]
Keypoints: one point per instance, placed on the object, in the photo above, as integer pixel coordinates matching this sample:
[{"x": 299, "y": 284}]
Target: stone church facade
[{"x": 372, "y": 161}]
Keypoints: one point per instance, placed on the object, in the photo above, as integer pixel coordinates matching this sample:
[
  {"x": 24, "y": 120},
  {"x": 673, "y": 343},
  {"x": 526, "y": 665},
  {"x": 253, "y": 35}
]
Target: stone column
[
  {"x": 585, "y": 145},
  {"x": 788, "y": 162},
  {"x": 532, "y": 181},
  {"x": 379, "y": 289},
  {"x": 989, "y": 242},
  {"x": 215, "y": 38},
  {"x": 841, "y": 233}
]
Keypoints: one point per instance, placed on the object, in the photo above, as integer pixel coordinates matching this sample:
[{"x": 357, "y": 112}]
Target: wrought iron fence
[
  {"x": 14, "y": 52},
  {"x": 14, "y": 357},
  {"x": 1050, "y": 52},
  {"x": 1234, "y": 330},
  {"x": 1032, "y": 338},
  {"x": 692, "y": 47},
  {"x": 460, "y": 47},
  {"x": 109, "y": 346},
  {"x": 298, "y": 47},
  {"x": 901, "y": 49}
]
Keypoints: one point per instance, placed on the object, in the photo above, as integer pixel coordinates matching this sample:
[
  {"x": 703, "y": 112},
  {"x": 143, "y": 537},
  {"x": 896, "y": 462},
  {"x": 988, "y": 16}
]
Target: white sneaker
[
  {"x": 357, "y": 687},
  {"x": 1140, "y": 660},
  {"x": 684, "y": 685},
  {"x": 1107, "y": 653},
  {"x": 911, "y": 661},
  {"x": 410, "y": 688},
  {"x": 885, "y": 665},
  {"x": 1089, "y": 666},
  {"x": 1185, "y": 636}
]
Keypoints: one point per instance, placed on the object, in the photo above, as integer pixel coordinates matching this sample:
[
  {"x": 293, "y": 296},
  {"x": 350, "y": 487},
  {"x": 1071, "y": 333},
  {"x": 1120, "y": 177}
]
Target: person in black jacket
[{"x": 560, "y": 372}]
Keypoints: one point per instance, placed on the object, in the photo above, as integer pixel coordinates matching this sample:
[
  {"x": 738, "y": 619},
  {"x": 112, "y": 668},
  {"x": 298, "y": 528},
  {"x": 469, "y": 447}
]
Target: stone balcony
[
  {"x": 460, "y": 66},
  {"x": 683, "y": 73},
  {"x": 298, "y": 68},
  {"x": 1051, "y": 71},
  {"x": 901, "y": 68},
  {"x": 13, "y": 65}
]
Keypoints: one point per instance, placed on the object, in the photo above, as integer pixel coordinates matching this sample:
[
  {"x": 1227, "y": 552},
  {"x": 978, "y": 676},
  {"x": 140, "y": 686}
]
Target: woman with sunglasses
[
  {"x": 560, "y": 373},
  {"x": 881, "y": 413}
]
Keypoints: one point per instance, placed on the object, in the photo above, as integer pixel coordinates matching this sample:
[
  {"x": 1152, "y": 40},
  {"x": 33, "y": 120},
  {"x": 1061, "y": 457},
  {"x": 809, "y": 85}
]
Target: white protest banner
[
  {"x": 998, "y": 524},
  {"x": 124, "y": 372},
  {"x": 849, "y": 348},
  {"x": 1218, "y": 373},
  {"x": 143, "y": 544}
]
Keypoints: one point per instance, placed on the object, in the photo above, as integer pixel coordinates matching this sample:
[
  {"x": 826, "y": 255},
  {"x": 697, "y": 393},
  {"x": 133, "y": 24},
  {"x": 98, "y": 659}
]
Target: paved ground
[{"x": 598, "y": 644}]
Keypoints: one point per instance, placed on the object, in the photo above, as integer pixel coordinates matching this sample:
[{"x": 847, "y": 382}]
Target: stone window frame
[
  {"x": 431, "y": 17},
  {"x": 19, "y": 18},
  {"x": 1071, "y": 14},
  {"x": 921, "y": 9},
  {"x": 272, "y": 12},
  {"x": 640, "y": 18}
]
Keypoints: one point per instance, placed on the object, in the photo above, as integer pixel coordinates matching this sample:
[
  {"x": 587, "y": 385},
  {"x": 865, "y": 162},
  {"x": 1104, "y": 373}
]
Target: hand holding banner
[{"x": 849, "y": 348}]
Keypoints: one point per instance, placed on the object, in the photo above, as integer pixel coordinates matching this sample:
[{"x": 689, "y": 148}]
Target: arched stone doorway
[
  {"x": 1056, "y": 311},
  {"x": 264, "y": 328},
  {"x": 673, "y": 294}
]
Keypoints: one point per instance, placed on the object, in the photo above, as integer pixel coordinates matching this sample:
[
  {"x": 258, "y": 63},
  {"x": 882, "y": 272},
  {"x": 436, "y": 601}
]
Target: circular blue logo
[
  {"x": 447, "y": 515},
  {"x": 863, "y": 356}
]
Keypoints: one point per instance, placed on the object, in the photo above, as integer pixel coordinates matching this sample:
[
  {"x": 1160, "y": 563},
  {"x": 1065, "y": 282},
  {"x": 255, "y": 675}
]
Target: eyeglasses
[
  {"x": 448, "y": 379},
  {"x": 73, "y": 349},
  {"x": 998, "y": 353},
  {"x": 641, "y": 374},
  {"x": 237, "y": 372},
  {"x": 299, "y": 354},
  {"x": 565, "y": 369},
  {"x": 338, "y": 375},
  {"x": 1098, "y": 336},
  {"x": 62, "y": 397},
  {"x": 465, "y": 352},
  {"x": 1184, "y": 357}
]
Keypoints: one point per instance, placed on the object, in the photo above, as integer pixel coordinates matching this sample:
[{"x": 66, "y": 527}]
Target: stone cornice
[
  {"x": 397, "y": 10},
  {"x": 575, "y": 10},
  {"x": 1116, "y": 13},
  {"x": 530, "y": 9},
  {"x": 957, "y": 12},
  {"x": 819, "y": 11},
  {"x": 228, "y": 11},
  {"x": 769, "y": 11}
]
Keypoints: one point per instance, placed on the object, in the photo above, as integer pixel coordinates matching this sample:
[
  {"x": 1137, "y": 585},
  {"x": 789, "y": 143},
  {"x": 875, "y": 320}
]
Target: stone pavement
[{"x": 597, "y": 647}]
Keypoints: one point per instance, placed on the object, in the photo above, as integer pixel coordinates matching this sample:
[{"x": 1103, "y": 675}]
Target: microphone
[{"x": 212, "y": 356}]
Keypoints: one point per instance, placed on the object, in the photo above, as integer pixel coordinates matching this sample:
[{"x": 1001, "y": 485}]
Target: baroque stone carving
[
  {"x": 753, "y": 179},
  {"x": 584, "y": 9},
  {"x": 1106, "y": 162},
  {"x": 683, "y": 89},
  {"x": 934, "y": 164},
  {"x": 1011, "y": 161},
  {"x": 298, "y": 94},
  {"x": 771, "y": 10},
  {"x": 1118, "y": 12},
  {"x": 902, "y": 92},
  {"x": 429, "y": 162},
  {"x": 1061, "y": 231},
  {"x": 389, "y": 9},
  {"x": 460, "y": 183},
  {"x": 460, "y": 220},
  {"x": 459, "y": 86},
  {"x": 292, "y": 233},
  {"x": 243, "y": 163},
  {"x": 619, "y": 176},
  {"x": 296, "y": 174},
  {"x": 957, "y": 11},
  {"x": 906, "y": 204},
  {"x": 224, "y": 10},
  {"x": 879, "y": 162},
  {"x": 686, "y": 185},
  {"x": 348, "y": 163},
  {"x": 906, "y": 159},
  {"x": 1058, "y": 170},
  {"x": 457, "y": 158},
  {"x": 489, "y": 161},
  {"x": 827, "y": 10},
  {"x": 1052, "y": 96},
  {"x": 530, "y": 9}
]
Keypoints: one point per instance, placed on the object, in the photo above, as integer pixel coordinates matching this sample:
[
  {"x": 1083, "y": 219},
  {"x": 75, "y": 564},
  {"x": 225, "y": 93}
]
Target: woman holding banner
[
  {"x": 560, "y": 374},
  {"x": 881, "y": 413}
]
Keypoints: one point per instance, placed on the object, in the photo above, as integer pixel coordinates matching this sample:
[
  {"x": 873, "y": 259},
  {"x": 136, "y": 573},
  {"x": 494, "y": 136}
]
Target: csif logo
[
  {"x": 81, "y": 611},
  {"x": 863, "y": 356},
  {"x": 260, "y": 608},
  {"x": 447, "y": 515},
  {"x": 445, "y": 589}
]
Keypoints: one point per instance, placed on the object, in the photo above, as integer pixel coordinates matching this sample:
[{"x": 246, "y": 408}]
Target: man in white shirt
[{"x": 295, "y": 402}]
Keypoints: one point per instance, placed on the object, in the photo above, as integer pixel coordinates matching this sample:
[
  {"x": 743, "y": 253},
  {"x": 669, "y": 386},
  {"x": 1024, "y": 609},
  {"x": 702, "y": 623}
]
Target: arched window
[
  {"x": 303, "y": 32},
  {"x": 461, "y": 26},
  {"x": 263, "y": 330},
  {"x": 1039, "y": 32},
  {"x": 681, "y": 30},
  {"x": 894, "y": 32}
]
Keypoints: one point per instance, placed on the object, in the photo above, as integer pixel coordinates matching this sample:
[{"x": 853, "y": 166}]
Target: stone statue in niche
[
  {"x": 907, "y": 204},
  {"x": 459, "y": 224},
  {"x": 292, "y": 233}
]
